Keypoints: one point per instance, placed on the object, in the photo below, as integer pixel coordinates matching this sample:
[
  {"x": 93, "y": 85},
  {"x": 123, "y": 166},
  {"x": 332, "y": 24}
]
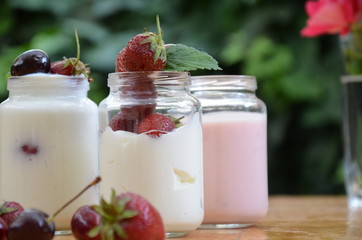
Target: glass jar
[
  {"x": 235, "y": 150},
  {"x": 48, "y": 144},
  {"x": 165, "y": 168}
]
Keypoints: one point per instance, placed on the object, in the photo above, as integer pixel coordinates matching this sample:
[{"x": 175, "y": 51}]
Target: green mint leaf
[{"x": 184, "y": 58}]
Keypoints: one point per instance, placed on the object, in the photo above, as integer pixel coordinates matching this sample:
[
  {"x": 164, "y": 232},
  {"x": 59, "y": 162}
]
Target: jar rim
[
  {"x": 351, "y": 79},
  {"x": 171, "y": 77},
  {"x": 46, "y": 80},
  {"x": 219, "y": 81}
]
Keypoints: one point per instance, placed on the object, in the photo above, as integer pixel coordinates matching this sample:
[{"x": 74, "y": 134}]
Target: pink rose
[{"x": 331, "y": 16}]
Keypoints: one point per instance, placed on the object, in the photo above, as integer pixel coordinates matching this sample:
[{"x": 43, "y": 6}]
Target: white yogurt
[
  {"x": 167, "y": 171},
  {"x": 48, "y": 151}
]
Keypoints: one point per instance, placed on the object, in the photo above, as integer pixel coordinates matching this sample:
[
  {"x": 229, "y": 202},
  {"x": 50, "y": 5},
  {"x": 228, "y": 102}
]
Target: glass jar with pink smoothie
[{"x": 234, "y": 150}]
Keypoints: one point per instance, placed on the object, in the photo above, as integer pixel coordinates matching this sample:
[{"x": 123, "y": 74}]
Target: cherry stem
[{"x": 94, "y": 182}]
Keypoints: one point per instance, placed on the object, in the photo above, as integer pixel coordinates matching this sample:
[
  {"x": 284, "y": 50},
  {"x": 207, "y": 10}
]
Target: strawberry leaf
[
  {"x": 184, "y": 58},
  {"x": 119, "y": 231},
  {"x": 4, "y": 210},
  {"x": 94, "y": 231}
]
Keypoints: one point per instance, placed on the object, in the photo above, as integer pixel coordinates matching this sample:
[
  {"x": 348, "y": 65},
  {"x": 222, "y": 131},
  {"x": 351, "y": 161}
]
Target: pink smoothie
[{"x": 235, "y": 167}]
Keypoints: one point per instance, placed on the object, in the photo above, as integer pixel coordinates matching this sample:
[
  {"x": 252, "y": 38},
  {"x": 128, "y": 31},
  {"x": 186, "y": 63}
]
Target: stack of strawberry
[{"x": 147, "y": 52}]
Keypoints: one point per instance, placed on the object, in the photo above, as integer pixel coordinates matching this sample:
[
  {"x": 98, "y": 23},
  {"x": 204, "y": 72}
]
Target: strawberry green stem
[
  {"x": 78, "y": 46},
  {"x": 159, "y": 30}
]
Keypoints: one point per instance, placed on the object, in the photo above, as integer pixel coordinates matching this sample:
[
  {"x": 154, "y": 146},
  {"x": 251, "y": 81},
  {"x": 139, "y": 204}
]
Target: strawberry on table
[{"x": 128, "y": 216}]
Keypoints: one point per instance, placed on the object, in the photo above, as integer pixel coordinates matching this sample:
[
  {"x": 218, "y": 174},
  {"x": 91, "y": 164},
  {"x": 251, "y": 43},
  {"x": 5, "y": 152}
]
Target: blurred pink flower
[{"x": 331, "y": 16}]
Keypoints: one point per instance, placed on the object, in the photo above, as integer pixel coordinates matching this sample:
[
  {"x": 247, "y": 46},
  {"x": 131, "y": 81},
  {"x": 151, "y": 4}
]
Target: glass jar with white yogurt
[
  {"x": 48, "y": 144},
  {"x": 163, "y": 166},
  {"x": 235, "y": 150}
]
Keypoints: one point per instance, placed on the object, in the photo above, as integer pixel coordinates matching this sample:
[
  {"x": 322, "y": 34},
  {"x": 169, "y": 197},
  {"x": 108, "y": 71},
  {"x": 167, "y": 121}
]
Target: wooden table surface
[{"x": 289, "y": 217}]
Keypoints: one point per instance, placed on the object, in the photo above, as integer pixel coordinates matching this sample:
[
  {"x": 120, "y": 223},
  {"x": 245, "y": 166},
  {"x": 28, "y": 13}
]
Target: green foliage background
[{"x": 298, "y": 78}]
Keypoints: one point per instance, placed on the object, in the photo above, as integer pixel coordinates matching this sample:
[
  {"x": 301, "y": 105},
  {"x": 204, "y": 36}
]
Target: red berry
[
  {"x": 59, "y": 68},
  {"x": 144, "y": 52},
  {"x": 31, "y": 224},
  {"x": 138, "y": 56},
  {"x": 123, "y": 122},
  {"x": 32, "y": 61},
  {"x": 147, "y": 224},
  {"x": 156, "y": 124},
  {"x": 29, "y": 149},
  {"x": 3, "y": 229},
  {"x": 84, "y": 220},
  {"x": 129, "y": 216},
  {"x": 9, "y": 211}
]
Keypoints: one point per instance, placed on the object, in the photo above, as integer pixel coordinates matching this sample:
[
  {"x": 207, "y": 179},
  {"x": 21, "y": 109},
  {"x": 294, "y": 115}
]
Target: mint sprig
[{"x": 184, "y": 58}]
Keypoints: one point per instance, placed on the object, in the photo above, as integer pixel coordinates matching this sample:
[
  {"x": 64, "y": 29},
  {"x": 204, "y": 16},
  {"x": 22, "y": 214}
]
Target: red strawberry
[
  {"x": 129, "y": 216},
  {"x": 9, "y": 211},
  {"x": 71, "y": 66},
  {"x": 124, "y": 122},
  {"x": 156, "y": 124},
  {"x": 59, "y": 67},
  {"x": 144, "y": 52}
]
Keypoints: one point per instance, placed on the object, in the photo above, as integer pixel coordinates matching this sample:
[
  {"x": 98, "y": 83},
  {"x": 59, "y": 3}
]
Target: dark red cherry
[
  {"x": 31, "y": 224},
  {"x": 85, "y": 219},
  {"x": 3, "y": 229},
  {"x": 32, "y": 61}
]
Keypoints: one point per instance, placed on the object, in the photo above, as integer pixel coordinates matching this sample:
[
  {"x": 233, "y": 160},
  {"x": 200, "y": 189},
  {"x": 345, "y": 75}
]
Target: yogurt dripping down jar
[
  {"x": 234, "y": 149},
  {"x": 165, "y": 167},
  {"x": 48, "y": 144}
]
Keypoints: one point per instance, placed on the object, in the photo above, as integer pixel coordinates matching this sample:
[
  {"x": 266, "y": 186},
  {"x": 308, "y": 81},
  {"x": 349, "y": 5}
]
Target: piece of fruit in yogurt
[
  {"x": 29, "y": 149},
  {"x": 127, "y": 216}
]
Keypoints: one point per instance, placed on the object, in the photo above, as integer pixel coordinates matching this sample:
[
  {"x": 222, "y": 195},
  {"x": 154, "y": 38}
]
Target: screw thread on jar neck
[
  {"x": 224, "y": 82},
  {"x": 160, "y": 79},
  {"x": 47, "y": 84}
]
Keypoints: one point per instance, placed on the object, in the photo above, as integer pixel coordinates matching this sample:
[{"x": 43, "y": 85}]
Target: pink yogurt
[{"x": 235, "y": 167}]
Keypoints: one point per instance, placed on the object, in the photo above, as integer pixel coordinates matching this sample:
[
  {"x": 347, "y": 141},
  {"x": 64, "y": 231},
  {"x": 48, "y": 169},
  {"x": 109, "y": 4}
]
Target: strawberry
[
  {"x": 124, "y": 122},
  {"x": 71, "y": 66},
  {"x": 144, "y": 52},
  {"x": 128, "y": 216},
  {"x": 9, "y": 211},
  {"x": 156, "y": 124}
]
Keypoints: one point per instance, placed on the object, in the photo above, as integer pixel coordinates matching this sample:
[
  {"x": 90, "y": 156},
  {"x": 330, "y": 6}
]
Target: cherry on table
[
  {"x": 3, "y": 229},
  {"x": 83, "y": 221},
  {"x": 31, "y": 224}
]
